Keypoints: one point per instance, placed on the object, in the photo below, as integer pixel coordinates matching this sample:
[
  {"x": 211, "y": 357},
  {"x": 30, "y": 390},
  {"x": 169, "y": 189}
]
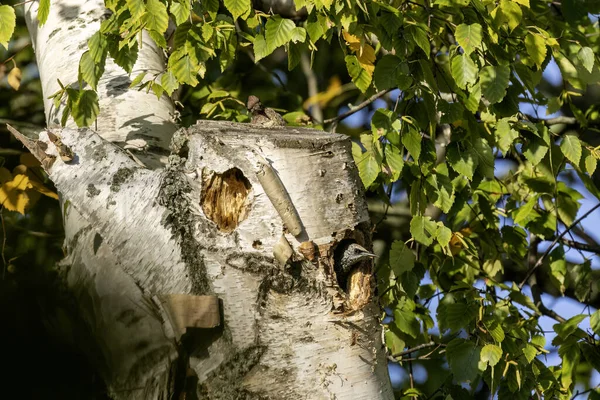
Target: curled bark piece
[
  {"x": 308, "y": 250},
  {"x": 36, "y": 147},
  {"x": 279, "y": 198},
  {"x": 187, "y": 311},
  {"x": 282, "y": 251}
]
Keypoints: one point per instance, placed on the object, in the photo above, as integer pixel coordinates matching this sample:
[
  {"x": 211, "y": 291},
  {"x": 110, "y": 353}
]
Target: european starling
[
  {"x": 263, "y": 116},
  {"x": 346, "y": 256}
]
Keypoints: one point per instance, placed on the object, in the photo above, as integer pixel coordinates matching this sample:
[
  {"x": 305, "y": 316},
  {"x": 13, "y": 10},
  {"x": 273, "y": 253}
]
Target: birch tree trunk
[{"x": 212, "y": 276}]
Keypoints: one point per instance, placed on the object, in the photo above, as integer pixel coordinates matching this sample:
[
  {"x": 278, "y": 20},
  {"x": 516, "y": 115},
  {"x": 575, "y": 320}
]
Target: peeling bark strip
[
  {"x": 278, "y": 195},
  {"x": 187, "y": 311}
]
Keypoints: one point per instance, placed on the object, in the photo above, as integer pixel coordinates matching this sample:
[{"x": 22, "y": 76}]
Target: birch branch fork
[{"x": 204, "y": 226}]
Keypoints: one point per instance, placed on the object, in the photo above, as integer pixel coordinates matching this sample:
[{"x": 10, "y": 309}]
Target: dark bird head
[
  {"x": 352, "y": 254},
  {"x": 346, "y": 255},
  {"x": 254, "y": 105}
]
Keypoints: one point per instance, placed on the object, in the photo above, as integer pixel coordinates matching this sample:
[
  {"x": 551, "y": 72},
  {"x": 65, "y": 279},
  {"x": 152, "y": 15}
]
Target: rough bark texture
[{"x": 210, "y": 223}]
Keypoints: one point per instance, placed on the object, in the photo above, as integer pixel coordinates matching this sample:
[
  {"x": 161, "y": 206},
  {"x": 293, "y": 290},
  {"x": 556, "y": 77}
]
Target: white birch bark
[{"x": 137, "y": 235}]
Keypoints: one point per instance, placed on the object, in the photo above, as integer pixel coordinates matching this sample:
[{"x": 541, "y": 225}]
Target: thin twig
[
  {"x": 416, "y": 348},
  {"x": 549, "y": 249},
  {"x": 358, "y": 107},
  {"x": 581, "y": 246},
  {"x": 584, "y": 392}
]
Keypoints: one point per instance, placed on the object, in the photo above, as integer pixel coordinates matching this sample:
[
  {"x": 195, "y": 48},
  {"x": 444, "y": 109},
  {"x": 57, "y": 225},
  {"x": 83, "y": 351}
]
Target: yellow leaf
[
  {"x": 12, "y": 194},
  {"x": 20, "y": 169},
  {"x": 364, "y": 52},
  {"x": 40, "y": 187},
  {"x": 14, "y": 78},
  {"x": 323, "y": 98},
  {"x": 5, "y": 175}
]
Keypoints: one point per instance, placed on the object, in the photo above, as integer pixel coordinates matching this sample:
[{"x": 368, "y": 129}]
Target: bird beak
[{"x": 371, "y": 255}]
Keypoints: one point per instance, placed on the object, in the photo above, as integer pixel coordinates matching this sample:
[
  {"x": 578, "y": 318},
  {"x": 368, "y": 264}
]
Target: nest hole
[{"x": 224, "y": 198}]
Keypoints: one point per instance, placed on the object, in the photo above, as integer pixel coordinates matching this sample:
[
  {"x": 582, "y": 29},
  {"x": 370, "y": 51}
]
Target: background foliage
[{"x": 484, "y": 206}]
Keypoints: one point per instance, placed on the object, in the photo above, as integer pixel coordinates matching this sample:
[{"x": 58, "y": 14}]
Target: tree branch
[
  {"x": 358, "y": 107},
  {"x": 559, "y": 237},
  {"x": 416, "y": 348},
  {"x": 581, "y": 246},
  {"x": 313, "y": 87}
]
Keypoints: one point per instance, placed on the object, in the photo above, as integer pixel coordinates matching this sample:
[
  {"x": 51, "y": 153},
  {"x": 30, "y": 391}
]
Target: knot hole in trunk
[{"x": 224, "y": 198}]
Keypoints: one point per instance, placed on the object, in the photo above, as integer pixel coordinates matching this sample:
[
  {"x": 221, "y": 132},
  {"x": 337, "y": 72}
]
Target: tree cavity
[{"x": 224, "y": 198}]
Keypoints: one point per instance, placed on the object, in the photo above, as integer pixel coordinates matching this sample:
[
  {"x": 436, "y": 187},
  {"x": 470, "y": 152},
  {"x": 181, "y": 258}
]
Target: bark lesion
[{"x": 225, "y": 198}]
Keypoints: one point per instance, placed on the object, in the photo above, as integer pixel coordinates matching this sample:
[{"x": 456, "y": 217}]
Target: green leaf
[
  {"x": 169, "y": 82},
  {"x": 360, "y": 76},
  {"x": 595, "y": 322},
  {"x": 420, "y": 37},
  {"x": 444, "y": 234},
  {"x": 411, "y": 139},
  {"x": 586, "y": 56},
  {"x": 468, "y": 37},
  {"x": 7, "y": 24},
  {"x": 485, "y": 156},
  {"x": 181, "y": 11},
  {"x": 570, "y": 354},
  {"x": 463, "y": 358},
  {"x": 407, "y": 322},
  {"x": 464, "y": 70},
  {"x": 392, "y": 72},
  {"x": 462, "y": 161},
  {"x": 566, "y": 329},
  {"x": 98, "y": 46},
  {"x": 298, "y": 35},
  {"x": 571, "y": 148},
  {"x": 393, "y": 342},
  {"x": 511, "y": 13},
  {"x": 535, "y": 150},
  {"x": 124, "y": 57},
  {"x": 90, "y": 71},
  {"x": 472, "y": 103},
  {"x": 529, "y": 351},
  {"x": 491, "y": 354},
  {"x": 402, "y": 259},
  {"x": 558, "y": 267},
  {"x": 156, "y": 17},
  {"x": 394, "y": 160},
  {"x": 238, "y": 8},
  {"x": 184, "y": 68},
  {"x": 137, "y": 8},
  {"x": 523, "y": 213},
  {"x": 494, "y": 81},
  {"x": 495, "y": 330},
  {"x": 84, "y": 106},
  {"x": 369, "y": 162},
  {"x": 136, "y": 81},
  {"x": 43, "y": 12},
  {"x": 260, "y": 48},
  {"x": 423, "y": 229},
  {"x": 505, "y": 135},
  {"x": 443, "y": 197},
  {"x": 536, "y": 47},
  {"x": 278, "y": 32},
  {"x": 458, "y": 315}
]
